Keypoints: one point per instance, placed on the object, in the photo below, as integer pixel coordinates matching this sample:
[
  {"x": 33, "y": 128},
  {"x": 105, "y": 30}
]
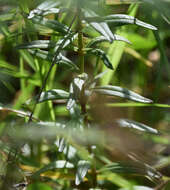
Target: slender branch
[
  {"x": 54, "y": 61},
  {"x": 80, "y": 38}
]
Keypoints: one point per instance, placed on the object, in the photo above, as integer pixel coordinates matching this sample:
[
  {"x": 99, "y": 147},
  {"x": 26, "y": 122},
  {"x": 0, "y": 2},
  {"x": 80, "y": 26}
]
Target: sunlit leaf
[
  {"x": 82, "y": 169},
  {"x": 54, "y": 94},
  {"x": 138, "y": 188},
  {"x": 100, "y": 39},
  {"x": 121, "y": 92},
  {"x": 37, "y": 44},
  {"x": 119, "y": 19},
  {"x": 76, "y": 88},
  {"x": 102, "y": 27},
  {"x": 127, "y": 19},
  {"x": 136, "y": 125},
  {"x": 59, "y": 164},
  {"x": 45, "y": 8}
]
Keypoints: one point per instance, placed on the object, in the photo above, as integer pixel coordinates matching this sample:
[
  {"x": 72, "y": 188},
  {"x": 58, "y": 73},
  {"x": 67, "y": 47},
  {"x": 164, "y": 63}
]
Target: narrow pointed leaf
[
  {"x": 54, "y": 94},
  {"x": 119, "y": 19},
  {"x": 135, "y": 168},
  {"x": 44, "y": 44},
  {"x": 52, "y": 24},
  {"x": 49, "y": 57},
  {"x": 100, "y": 53},
  {"x": 126, "y": 19},
  {"x": 102, "y": 27},
  {"x": 121, "y": 92},
  {"x": 43, "y": 8},
  {"x": 82, "y": 169},
  {"x": 136, "y": 125},
  {"x": 138, "y": 188},
  {"x": 54, "y": 165},
  {"x": 67, "y": 42},
  {"x": 101, "y": 39}
]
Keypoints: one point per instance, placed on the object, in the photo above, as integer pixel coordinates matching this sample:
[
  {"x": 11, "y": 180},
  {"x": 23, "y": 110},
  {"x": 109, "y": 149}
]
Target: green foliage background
[{"x": 71, "y": 116}]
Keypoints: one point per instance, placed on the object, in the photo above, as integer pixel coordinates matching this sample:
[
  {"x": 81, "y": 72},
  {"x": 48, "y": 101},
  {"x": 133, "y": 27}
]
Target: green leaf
[
  {"x": 135, "y": 167},
  {"x": 138, "y": 188},
  {"x": 136, "y": 125},
  {"x": 76, "y": 88},
  {"x": 119, "y": 19},
  {"x": 59, "y": 164},
  {"x": 100, "y": 39},
  {"x": 45, "y": 44},
  {"x": 6, "y": 16},
  {"x": 121, "y": 92},
  {"x": 54, "y": 94},
  {"x": 52, "y": 24},
  {"x": 82, "y": 169},
  {"x": 49, "y": 57},
  {"x": 28, "y": 58},
  {"x": 127, "y": 19},
  {"x": 39, "y": 186},
  {"x": 100, "y": 53},
  {"x": 102, "y": 27},
  {"x": 45, "y": 8}
]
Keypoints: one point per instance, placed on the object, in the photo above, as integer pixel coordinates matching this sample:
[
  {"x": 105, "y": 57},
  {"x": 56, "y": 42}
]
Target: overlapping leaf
[
  {"x": 136, "y": 168},
  {"x": 101, "y": 54},
  {"x": 76, "y": 88},
  {"x": 119, "y": 19},
  {"x": 52, "y": 24},
  {"x": 53, "y": 94},
  {"x": 49, "y": 57},
  {"x": 101, "y": 27},
  {"x": 82, "y": 169},
  {"x": 100, "y": 39},
  {"x": 45, "y": 8},
  {"x": 59, "y": 164}
]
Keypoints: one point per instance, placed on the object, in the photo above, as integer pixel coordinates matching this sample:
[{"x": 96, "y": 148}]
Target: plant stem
[
  {"x": 81, "y": 65},
  {"x": 80, "y": 38}
]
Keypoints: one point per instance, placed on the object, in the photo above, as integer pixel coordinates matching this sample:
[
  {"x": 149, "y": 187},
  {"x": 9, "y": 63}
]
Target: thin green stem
[{"x": 80, "y": 38}]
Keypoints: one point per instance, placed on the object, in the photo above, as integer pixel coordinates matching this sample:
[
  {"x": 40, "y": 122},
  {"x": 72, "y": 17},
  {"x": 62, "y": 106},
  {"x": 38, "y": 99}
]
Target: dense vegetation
[{"x": 84, "y": 94}]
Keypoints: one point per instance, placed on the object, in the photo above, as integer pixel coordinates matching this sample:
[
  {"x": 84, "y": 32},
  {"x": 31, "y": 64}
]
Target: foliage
[{"x": 70, "y": 95}]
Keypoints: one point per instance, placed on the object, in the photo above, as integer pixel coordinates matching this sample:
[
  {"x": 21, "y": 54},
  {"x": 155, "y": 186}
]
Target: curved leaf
[
  {"x": 44, "y": 44},
  {"x": 54, "y": 94},
  {"x": 138, "y": 188},
  {"x": 136, "y": 125},
  {"x": 75, "y": 89},
  {"x": 100, "y": 53},
  {"x": 82, "y": 169},
  {"x": 52, "y": 24},
  {"x": 49, "y": 57},
  {"x": 121, "y": 92},
  {"x": 102, "y": 27},
  {"x": 54, "y": 165},
  {"x": 135, "y": 167},
  {"x": 104, "y": 39},
  {"x": 45, "y": 8},
  {"x": 120, "y": 19}
]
